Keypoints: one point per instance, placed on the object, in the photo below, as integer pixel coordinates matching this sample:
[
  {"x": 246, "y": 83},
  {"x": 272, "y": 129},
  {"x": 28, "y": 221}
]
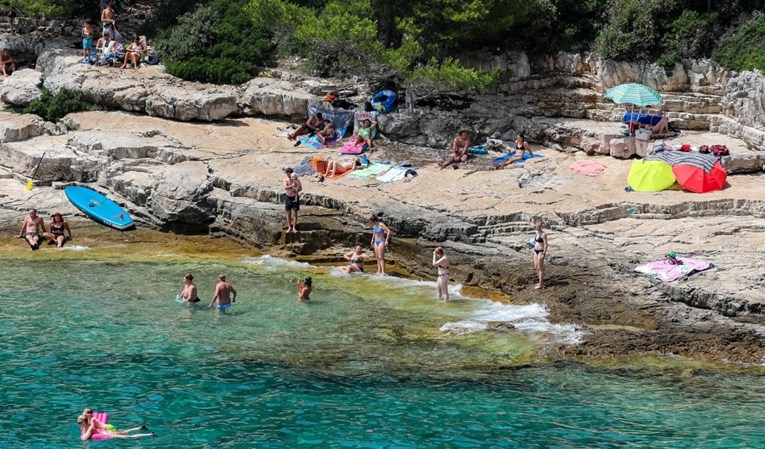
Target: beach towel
[
  {"x": 643, "y": 119},
  {"x": 667, "y": 272},
  {"x": 351, "y": 148},
  {"x": 700, "y": 160},
  {"x": 375, "y": 169},
  {"x": 392, "y": 175},
  {"x": 478, "y": 149},
  {"x": 313, "y": 141},
  {"x": 304, "y": 168},
  {"x": 589, "y": 168},
  {"x": 526, "y": 156},
  {"x": 319, "y": 164}
]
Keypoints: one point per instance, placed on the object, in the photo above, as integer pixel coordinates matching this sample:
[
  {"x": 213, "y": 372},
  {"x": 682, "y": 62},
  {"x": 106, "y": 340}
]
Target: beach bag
[
  {"x": 153, "y": 59},
  {"x": 719, "y": 150},
  {"x": 643, "y": 134}
]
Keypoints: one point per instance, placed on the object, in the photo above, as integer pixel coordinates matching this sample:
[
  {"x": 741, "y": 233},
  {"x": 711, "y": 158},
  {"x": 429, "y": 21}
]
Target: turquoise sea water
[{"x": 367, "y": 365}]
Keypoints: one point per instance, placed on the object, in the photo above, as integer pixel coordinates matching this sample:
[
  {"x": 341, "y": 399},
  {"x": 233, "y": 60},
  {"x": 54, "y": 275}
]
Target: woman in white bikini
[{"x": 441, "y": 262}]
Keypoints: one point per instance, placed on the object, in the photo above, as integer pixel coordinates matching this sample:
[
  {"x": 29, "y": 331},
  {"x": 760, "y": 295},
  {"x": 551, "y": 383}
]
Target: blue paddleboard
[{"x": 99, "y": 207}]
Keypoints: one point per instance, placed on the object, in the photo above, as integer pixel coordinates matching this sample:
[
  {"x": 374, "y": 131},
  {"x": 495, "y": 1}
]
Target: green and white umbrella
[{"x": 635, "y": 94}]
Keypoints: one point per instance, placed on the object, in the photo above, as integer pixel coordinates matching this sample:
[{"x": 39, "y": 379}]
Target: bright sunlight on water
[{"x": 370, "y": 363}]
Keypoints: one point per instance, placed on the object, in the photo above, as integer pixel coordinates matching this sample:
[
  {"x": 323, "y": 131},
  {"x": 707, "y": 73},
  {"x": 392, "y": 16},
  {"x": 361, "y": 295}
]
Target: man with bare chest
[{"x": 32, "y": 229}]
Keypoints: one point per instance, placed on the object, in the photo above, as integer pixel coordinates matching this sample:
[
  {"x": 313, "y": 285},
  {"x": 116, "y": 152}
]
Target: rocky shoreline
[{"x": 224, "y": 178}]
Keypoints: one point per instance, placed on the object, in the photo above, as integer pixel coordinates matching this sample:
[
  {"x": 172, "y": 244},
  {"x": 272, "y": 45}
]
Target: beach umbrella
[
  {"x": 634, "y": 94},
  {"x": 695, "y": 179},
  {"x": 650, "y": 176}
]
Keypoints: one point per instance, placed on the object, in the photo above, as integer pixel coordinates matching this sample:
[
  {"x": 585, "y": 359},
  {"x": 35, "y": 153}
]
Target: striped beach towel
[{"x": 694, "y": 158}]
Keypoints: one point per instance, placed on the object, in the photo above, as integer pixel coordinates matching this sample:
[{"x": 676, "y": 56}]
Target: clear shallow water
[{"x": 366, "y": 365}]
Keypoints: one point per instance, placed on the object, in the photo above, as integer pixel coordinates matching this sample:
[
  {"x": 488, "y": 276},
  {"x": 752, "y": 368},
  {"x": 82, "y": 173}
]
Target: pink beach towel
[
  {"x": 589, "y": 168},
  {"x": 351, "y": 148},
  {"x": 667, "y": 272}
]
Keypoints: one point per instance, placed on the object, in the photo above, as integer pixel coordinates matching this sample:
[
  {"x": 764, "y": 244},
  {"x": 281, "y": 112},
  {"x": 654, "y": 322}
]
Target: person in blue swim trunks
[
  {"x": 521, "y": 146},
  {"x": 225, "y": 294}
]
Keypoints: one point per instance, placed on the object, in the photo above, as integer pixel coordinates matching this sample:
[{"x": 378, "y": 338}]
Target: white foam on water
[
  {"x": 275, "y": 262},
  {"x": 76, "y": 248},
  {"x": 530, "y": 319},
  {"x": 402, "y": 283}
]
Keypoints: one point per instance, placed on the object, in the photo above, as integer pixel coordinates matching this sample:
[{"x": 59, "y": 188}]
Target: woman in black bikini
[
  {"x": 355, "y": 260},
  {"x": 189, "y": 293},
  {"x": 540, "y": 251},
  {"x": 57, "y": 228},
  {"x": 521, "y": 147}
]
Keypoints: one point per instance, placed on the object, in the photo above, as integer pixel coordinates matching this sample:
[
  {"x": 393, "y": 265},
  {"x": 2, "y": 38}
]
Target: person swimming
[
  {"x": 189, "y": 293},
  {"x": 304, "y": 289}
]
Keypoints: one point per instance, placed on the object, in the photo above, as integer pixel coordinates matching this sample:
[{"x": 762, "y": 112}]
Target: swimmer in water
[
  {"x": 225, "y": 294},
  {"x": 93, "y": 429},
  {"x": 189, "y": 293},
  {"x": 304, "y": 289}
]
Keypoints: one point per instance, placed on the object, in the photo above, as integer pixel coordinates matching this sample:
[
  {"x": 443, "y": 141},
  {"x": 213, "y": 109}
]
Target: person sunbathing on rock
[
  {"x": 365, "y": 133},
  {"x": 8, "y": 62},
  {"x": 338, "y": 167},
  {"x": 133, "y": 54},
  {"x": 459, "y": 153},
  {"x": 328, "y": 133},
  {"x": 660, "y": 129},
  {"x": 314, "y": 124},
  {"x": 521, "y": 147}
]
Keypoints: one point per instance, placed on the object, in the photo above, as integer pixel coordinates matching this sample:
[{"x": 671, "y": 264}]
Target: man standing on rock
[
  {"x": 32, "y": 229},
  {"x": 292, "y": 188}
]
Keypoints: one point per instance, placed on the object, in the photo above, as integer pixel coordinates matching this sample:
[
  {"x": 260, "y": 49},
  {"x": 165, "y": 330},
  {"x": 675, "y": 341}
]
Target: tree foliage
[{"x": 744, "y": 47}]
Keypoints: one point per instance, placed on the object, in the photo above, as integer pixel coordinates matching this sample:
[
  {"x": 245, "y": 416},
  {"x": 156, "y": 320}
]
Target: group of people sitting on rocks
[
  {"x": 108, "y": 48},
  {"x": 34, "y": 232},
  {"x": 324, "y": 130}
]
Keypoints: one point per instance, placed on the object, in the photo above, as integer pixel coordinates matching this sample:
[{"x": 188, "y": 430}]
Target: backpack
[{"x": 153, "y": 59}]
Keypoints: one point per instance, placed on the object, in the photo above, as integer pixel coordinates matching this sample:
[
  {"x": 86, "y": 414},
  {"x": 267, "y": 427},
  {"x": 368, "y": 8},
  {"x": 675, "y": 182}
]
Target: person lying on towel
[
  {"x": 521, "y": 146},
  {"x": 328, "y": 133},
  {"x": 459, "y": 153}
]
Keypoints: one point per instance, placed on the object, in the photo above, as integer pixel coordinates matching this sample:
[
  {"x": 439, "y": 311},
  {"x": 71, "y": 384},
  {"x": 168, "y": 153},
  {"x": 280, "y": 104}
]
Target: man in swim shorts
[
  {"x": 225, "y": 294},
  {"x": 32, "y": 229},
  {"x": 292, "y": 188}
]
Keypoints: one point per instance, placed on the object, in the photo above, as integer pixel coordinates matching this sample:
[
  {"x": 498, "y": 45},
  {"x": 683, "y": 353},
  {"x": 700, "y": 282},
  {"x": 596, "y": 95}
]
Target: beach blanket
[
  {"x": 313, "y": 141},
  {"x": 589, "y": 168},
  {"x": 304, "y": 168},
  {"x": 375, "y": 169},
  {"x": 351, "y": 148},
  {"x": 667, "y": 272},
  {"x": 478, "y": 149},
  {"x": 526, "y": 156},
  {"x": 392, "y": 175},
  {"x": 696, "y": 159}
]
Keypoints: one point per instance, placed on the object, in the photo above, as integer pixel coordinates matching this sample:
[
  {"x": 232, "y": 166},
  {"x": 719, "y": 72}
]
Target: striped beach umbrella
[{"x": 635, "y": 94}]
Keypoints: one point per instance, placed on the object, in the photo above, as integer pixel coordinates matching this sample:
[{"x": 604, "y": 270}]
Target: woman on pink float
[{"x": 92, "y": 428}]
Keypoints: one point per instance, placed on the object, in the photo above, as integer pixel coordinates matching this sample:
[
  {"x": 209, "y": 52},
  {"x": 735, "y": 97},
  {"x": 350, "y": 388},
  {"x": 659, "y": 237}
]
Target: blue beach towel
[
  {"x": 526, "y": 156},
  {"x": 313, "y": 141},
  {"x": 478, "y": 149}
]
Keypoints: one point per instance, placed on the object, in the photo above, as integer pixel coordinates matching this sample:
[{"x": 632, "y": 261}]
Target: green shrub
[
  {"x": 449, "y": 77},
  {"x": 633, "y": 31},
  {"x": 341, "y": 40},
  {"x": 744, "y": 47},
  {"x": 53, "y": 108},
  {"x": 692, "y": 35},
  {"x": 215, "y": 43}
]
